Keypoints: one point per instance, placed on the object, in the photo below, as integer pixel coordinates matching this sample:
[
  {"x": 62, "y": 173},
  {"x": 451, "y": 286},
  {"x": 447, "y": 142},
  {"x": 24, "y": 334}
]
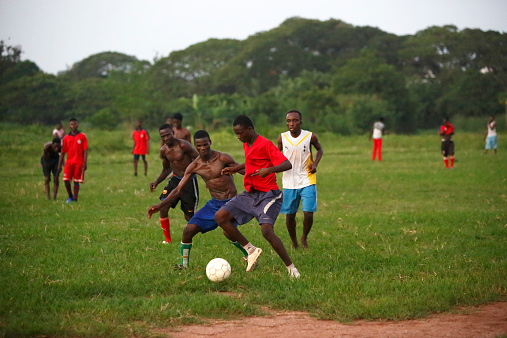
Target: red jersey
[
  {"x": 74, "y": 146},
  {"x": 141, "y": 138},
  {"x": 446, "y": 129},
  {"x": 262, "y": 154}
]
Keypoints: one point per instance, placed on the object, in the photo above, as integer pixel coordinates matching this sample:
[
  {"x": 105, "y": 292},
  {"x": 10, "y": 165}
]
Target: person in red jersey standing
[
  {"x": 75, "y": 146},
  {"x": 141, "y": 146},
  {"x": 447, "y": 147}
]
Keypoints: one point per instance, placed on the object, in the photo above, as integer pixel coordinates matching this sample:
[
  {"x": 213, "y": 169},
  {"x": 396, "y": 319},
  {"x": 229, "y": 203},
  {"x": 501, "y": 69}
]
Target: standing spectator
[
  {"x": 447, "y": 147},
  {"x": 141, "y": 146},
  {"x": 490, "y": 136},
  {"x": 299, "y": 183},
  {"x": 378, "y": 128},
  {"x": 75, "y": 145},
  {"x": 59, "y": 131},
  {"x": 49, "y": 160}
]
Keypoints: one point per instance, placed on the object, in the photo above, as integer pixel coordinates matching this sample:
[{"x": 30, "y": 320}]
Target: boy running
[
  {"x": 262, "y": 198},
  {"x": 176, "y": 155},
  {"x": 209, "y": 166}
]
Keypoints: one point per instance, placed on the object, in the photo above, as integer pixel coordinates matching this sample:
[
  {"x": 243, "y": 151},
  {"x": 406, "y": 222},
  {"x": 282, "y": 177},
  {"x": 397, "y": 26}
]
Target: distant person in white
[
  {"x": 378, "y": 128},
  {"x": 490, "y": 136},
  {"x": 299, "y": 183}
]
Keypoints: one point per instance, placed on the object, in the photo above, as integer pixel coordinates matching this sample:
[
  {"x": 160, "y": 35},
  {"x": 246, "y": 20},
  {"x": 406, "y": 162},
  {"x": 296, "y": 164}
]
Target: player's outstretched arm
[
  {"x": 233, "y": 169},
  {"x": 166, "y": 170},
  {"x": 263, "y": 172}
]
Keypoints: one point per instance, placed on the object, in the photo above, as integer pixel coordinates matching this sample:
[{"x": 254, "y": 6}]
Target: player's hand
[
  {"x": 85, "y": 166},
  {"x": 152, "y": 210},
  {"x": 312, "y": 168},
  {"x": 153, "y": 186},
  {"x": 227, "y": 171},
  {"x": 262, "y": 172}
]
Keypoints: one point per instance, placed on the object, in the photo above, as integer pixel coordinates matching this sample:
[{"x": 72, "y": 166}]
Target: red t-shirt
[
  {"x": 74, "y": 146},
  {"x": 262, "y": 154},
  {"x": 446, "y": 129},
  {"x": 141, "y": 138}
]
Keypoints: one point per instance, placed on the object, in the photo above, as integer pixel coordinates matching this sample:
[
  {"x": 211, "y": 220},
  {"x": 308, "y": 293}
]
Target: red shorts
[{"x": 73, "y": 171}]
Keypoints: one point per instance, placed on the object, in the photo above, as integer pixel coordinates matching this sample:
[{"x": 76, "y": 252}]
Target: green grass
[{"x": 393, "y": 240}]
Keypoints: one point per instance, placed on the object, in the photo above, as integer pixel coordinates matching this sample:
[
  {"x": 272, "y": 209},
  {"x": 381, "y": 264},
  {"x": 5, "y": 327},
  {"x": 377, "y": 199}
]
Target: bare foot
[{"x": 304, "y": 243}]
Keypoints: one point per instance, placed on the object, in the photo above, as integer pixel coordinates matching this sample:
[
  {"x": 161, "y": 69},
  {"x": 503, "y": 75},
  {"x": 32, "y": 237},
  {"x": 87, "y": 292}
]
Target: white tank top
[
  {"x": 492, "y": 129},
  {"x": 298, "y": 152},
  {"x": 377, "y": 129}
]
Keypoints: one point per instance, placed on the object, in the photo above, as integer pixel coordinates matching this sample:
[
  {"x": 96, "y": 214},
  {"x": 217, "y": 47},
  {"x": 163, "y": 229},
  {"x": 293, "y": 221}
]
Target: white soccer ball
[{"x": 218, "y": 270}]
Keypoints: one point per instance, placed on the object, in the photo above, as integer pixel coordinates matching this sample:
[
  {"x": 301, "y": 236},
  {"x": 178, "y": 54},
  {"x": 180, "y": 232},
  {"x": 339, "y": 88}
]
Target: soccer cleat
[
  {"x": 252, "y": 259},
  {"x": 164, "y": 242},
  {"x": 254, "y": 266},
  {"x": 294, "y": 273},
  {"x": 70, "y": 199}
]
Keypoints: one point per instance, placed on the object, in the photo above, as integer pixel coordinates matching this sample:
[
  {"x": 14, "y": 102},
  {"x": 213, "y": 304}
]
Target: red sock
[
  {"x": 164, "y": 222},
  {"x": 446, "y": 161},
  {"x": 452, "y": 162}
]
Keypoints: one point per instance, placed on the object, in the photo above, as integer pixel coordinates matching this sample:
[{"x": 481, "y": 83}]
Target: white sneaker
[
  {"x": 294, "y": 273},
  {"x": 164, "y": 242},
  {"x": 252, "y": 259}
]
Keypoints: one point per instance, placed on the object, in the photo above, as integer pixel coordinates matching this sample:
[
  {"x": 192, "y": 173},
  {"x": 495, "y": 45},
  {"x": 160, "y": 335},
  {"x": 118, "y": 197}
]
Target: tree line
[{"x": 340, "y": 76}]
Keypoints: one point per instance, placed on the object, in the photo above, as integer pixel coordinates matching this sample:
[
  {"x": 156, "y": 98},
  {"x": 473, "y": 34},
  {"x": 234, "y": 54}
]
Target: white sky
[{"x": 55, "y": 34}]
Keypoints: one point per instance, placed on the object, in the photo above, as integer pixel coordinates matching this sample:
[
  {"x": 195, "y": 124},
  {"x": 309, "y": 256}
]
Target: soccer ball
[{"x": 218, "y": 270}]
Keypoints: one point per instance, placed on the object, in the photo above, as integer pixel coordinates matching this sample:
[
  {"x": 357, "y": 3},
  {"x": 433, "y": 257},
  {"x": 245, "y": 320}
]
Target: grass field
[{"x": 393, "y": 240}]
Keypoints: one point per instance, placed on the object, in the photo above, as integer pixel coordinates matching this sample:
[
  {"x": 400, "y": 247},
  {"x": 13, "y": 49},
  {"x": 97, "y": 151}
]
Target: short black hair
[
  {"x": 165, "y": 126},
  {"x": 243, "y": 120},
  {"x": 73, "y": 119},
  {"x": 178, "y": 116},
  {"x": 297, "y": 112},
  {"x": 201, "y": 134},
  {"x": 57, "y": 140}
]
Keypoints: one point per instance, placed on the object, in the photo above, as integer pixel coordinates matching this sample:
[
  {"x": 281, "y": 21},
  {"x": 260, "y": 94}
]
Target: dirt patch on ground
[{"x": 486, "y": 321}]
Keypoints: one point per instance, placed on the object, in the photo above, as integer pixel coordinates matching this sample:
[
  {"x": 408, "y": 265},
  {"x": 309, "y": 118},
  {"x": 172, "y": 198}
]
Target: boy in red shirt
[
  {"x": 75, "y": 145},
  {"x": 262, "y": 198},
  {"x": 447, "y": 147},
  {"x": 141, "y": 146}
]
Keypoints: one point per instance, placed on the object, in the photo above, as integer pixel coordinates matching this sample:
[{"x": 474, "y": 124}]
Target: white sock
[{"x": 249, "y": 248}]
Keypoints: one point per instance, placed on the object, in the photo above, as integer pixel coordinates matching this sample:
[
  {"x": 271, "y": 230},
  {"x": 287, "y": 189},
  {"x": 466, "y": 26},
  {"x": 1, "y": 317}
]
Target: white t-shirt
[
  {"x": 377, "y": 129},
  {"x": 298, "y": 152}
]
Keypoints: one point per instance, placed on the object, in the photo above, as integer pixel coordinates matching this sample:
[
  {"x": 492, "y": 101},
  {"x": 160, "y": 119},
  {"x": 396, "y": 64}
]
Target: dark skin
[
  {"x": 50, "y": 150},
  {"x": 294, "y": 123},
  {"x": 179, "y": 131},
  {"x": 209, "y": 166},
  {"x": 225, "y": 220},
  {"x": 176, "y": 156}
]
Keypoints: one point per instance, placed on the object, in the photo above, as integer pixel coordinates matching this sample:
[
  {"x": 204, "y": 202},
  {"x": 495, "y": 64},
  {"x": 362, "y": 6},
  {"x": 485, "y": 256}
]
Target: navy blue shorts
[{"x": 205, "y": 217}]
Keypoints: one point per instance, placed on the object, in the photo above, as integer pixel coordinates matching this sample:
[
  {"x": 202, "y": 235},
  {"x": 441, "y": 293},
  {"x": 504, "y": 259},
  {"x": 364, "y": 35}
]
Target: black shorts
[
  {"x": 189, "y": 194},
  {"x": 136, "y": 157},
  {"x": 447, "y": 147},
  {"x": 51, "y": 166}
]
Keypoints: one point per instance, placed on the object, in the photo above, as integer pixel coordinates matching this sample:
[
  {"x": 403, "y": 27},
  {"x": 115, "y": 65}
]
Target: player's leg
[
  {"x": 444, "y": 150},
  {"x": 68, "y": 175},
  {"x": 145, "y": 165},
  {"x": 379, "y": 147},
  {"x": 164, "y": 223},
  {"x": 47, "y": 181},
  {"x": 186, "y": 243},
  {"x": 290, "y": 205},
  {"x": 290, "y": 223},
  {"x": 190, "y": 198},
  {"x": 78, "y": 179},
  {"x": 136, "y": 161},
  {"x": 309, "y": 206},
  {"x": 307, "y": 226},
  {"x": 56, "y": 181},
  {"x": 451, "y": 153}
]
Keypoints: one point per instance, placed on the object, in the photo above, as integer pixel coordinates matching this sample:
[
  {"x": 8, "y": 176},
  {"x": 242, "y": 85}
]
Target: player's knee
[
  {"x": 47, "y": 179},
  {"x": 221, "y": 216}
]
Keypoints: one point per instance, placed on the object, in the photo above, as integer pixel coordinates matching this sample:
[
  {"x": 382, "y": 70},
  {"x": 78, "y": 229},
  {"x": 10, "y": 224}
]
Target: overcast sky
[{"x": 55, "y": 34}]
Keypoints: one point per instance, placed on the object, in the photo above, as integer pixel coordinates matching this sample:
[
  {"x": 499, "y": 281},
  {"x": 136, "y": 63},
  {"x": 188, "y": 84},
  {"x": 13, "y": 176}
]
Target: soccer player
[
  {"x": 59, "y": 132},
  {"x": 378, "y": 128},
  {"x": 447, "y": 147},
  {"x": 176, "y": 155},
  {"x": 221, "y": 187},
  {"x": 49, "y": 160},
  {"x": 75, "y": 145},
  {"x": 141, "y": 146},
  {"x": 490, "y": 136},
  {"x": 299, "y": 183},
  {"x": 262, "y": 198},
  {"x": 179, "y": 131}
]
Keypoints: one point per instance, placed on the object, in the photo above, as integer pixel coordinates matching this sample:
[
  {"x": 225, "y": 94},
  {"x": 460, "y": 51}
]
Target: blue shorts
[
  {"x": 293, "y": 197},
  {"x": 205, "y": 217},
  {"x": 263, "y": 206},
  {"x": 491, "y": 142}
]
